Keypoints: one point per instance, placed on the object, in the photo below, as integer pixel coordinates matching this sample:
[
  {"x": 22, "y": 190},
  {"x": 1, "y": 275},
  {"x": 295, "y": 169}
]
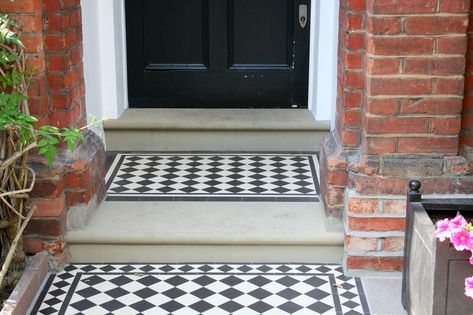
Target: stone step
[
  {"x": 206, "y": 231},
  {"x": 215, "y": 129}
]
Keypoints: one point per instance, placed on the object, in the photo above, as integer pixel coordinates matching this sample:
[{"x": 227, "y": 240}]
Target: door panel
[
  {"x": 175, "y": 34},
  {"x": 260, "y": 38},
  {"x": 216, "y": 53}
]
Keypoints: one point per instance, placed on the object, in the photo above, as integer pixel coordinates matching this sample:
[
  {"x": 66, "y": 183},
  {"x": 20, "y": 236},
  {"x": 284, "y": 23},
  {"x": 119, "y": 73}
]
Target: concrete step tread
[
  {"x": 207, "y": 223},
  {"x": 206, "y": 119},
  {"x": 89, "y": 253}
]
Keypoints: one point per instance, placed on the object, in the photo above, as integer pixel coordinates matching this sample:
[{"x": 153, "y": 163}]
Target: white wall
[
  {"x": 323, "y": 59},
  {"x": 105, "y": 57}
]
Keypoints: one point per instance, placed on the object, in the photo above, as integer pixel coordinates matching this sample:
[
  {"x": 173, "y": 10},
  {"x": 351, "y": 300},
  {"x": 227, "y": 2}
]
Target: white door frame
[{"x": 105, "y": 58}]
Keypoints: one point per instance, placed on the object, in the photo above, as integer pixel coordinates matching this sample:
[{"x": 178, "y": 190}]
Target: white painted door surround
[{"x": 105, "y": 57}]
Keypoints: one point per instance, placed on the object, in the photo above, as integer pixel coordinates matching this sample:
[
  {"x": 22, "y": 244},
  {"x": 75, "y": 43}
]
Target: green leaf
[
  {"x": 42, "y": 143},
  {"x": 50, "y": 154},
  {"x": 43, "y": 150}
]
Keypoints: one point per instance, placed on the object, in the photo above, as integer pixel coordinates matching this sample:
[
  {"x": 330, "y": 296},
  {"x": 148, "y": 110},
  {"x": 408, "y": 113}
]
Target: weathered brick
[
  {"x": 428, "y": 145},
  {"x": 399, "y": 125},
  {"x": 47, "y": 227},
  {"x": 457, "y": 165},
  {"x": 401, "y": 6},
  {"x": 376, "y": 224},
  {"x": 52, "y": 207},
  {"x": 449, "y": 86},
  {"x": 446, "y": 125},
  {"x": 350, "y": 137},
  {"x": 395, "y": 244},
  {"x": 384, "y": 25},
  {"x": 435, "y": 25},
  {"x": 373, "y": 145},
  {"x": 398, "y": 46},
  {"x": 360, "y": 243},
  {"x": 451, "y": 45},
  {"x": 383, "y": 106},
  {"x": 434, "y": 66},
  {"x": 411, "y": 166},
  {"x": 362, "y": 206},
  {"x": 433, "y": 106},
  {"x": 375, "y": 263},
  {"x": 454, "y": 6},
  {"x": 376, "y": 66},
  {"x": 394, "y": 206},
  {"x": 403, "y": 86}
]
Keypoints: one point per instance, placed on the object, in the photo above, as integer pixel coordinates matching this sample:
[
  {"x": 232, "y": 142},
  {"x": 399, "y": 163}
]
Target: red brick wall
[
  {"x": 466, "y": 140},
  {"x": 351, "y": 79},
  {"x": 53, "y": 37},
  {"x": 399, "y": 113},
  {"x": 414, "y": 69}
]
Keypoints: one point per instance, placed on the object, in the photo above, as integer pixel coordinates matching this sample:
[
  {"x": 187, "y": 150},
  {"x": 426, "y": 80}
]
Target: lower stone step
[
  {"x": 215, "y": 129},
  {"x": 204, "y": 253},
  {"x": 206, "y": 231}
]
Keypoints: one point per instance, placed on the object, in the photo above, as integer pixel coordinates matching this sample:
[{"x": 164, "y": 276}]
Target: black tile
[
  {"x": 231, "y": 306},
  {"x": 142, "y": 306},
  {"x": 231, "y": 293},
  {"x": 112, "y": 305}
]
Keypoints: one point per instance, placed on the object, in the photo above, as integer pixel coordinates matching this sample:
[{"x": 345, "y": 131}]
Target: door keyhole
[{"x": 303, "y": 15}]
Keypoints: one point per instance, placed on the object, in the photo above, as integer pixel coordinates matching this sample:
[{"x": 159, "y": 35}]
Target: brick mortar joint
[
  {"x": 414, "y": 76},
  {"x": 62, "y": 11},
  {"x": 411, "y": 115},
  {"x": 65, "y": 72},
  {"x": 47, "y": 12},
  {"x": 65, "y": 31},
  {"x": 376, "y": 215},
  {"x": 433, "y": 36},
  {"x": 374, "y": 253},
  {"x": 49, "y": 52},
  {"x": 408, "y": 15},
  {"x": 410, "y": 96}
]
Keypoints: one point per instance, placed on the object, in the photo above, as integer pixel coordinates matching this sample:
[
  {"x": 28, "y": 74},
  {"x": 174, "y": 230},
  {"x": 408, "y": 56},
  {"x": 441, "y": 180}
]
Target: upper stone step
[
  {"x": 164, "y": 129},
  {"x": 217, "y": 119}
]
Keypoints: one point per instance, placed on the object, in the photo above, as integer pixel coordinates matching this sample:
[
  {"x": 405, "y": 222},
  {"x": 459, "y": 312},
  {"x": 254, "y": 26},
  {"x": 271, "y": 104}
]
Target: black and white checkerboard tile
[
  {"x": 94, "y": 289},
  {"x": 213, "y": 177}
]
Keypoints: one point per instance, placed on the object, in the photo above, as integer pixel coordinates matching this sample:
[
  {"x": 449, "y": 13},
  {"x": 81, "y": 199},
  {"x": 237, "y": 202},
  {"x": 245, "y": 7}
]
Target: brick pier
[{"x": 401, "y": 92}]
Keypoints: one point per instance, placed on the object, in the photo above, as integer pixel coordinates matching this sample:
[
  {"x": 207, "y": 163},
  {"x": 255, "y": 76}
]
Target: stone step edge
[
  {"x": 85, "y": 238},
  {"x": 321, "y": 126},
  {"x": 207, "y": 120}
]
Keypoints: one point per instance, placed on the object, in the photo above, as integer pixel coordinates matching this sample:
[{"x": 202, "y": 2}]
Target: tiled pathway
[
  {"x": 213, "y": 177},
  {"x": 201, "y": 289}
]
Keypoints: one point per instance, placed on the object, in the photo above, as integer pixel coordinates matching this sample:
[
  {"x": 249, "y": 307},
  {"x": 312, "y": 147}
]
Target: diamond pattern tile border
[
  {"x": 247, "y": 289},
  {"x": 213, "y": 177}
]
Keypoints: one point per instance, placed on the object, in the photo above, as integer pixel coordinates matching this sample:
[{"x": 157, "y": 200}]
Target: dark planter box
[{"x": 434, "y": 272}]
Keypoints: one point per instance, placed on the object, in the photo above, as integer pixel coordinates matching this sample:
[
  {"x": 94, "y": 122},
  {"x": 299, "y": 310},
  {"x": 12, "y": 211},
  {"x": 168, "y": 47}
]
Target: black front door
[{"x": 218, "y": 53}]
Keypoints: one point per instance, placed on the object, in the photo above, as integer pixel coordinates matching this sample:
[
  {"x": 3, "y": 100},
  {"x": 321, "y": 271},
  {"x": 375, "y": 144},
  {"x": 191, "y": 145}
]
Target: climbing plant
[{"x": 19, "y": 135}]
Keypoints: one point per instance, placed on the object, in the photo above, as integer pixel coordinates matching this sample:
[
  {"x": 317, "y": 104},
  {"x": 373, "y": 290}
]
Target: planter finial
[
  {"x": 414, "y": 191},
  {"x": 415, "y": 185}
]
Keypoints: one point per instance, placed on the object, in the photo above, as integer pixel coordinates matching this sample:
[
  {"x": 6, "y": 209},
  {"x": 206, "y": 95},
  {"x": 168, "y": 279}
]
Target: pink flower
[
  {"x": 443, "y": 231},
  {"x": 462, "y": 240},
  {"x": 458, "y": 223},
  {"x": 469, "y": 287}
]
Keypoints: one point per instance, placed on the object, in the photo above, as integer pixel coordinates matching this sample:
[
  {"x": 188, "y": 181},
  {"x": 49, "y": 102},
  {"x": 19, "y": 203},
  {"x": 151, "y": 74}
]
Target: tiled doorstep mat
[
  {"x": 187, "y": 289},
  {"x": 213, "y": 177}
]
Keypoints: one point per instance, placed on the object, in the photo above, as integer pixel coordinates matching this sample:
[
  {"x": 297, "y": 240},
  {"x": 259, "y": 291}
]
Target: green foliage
[
  {"x": 9, "y": 31},
  {"x": 14, "y": 81}
]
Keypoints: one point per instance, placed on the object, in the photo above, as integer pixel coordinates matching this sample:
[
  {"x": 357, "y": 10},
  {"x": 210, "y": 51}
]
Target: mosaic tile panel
[
  {"x": 213, "y": 177},
  {"x": 93, "y": 289}
]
